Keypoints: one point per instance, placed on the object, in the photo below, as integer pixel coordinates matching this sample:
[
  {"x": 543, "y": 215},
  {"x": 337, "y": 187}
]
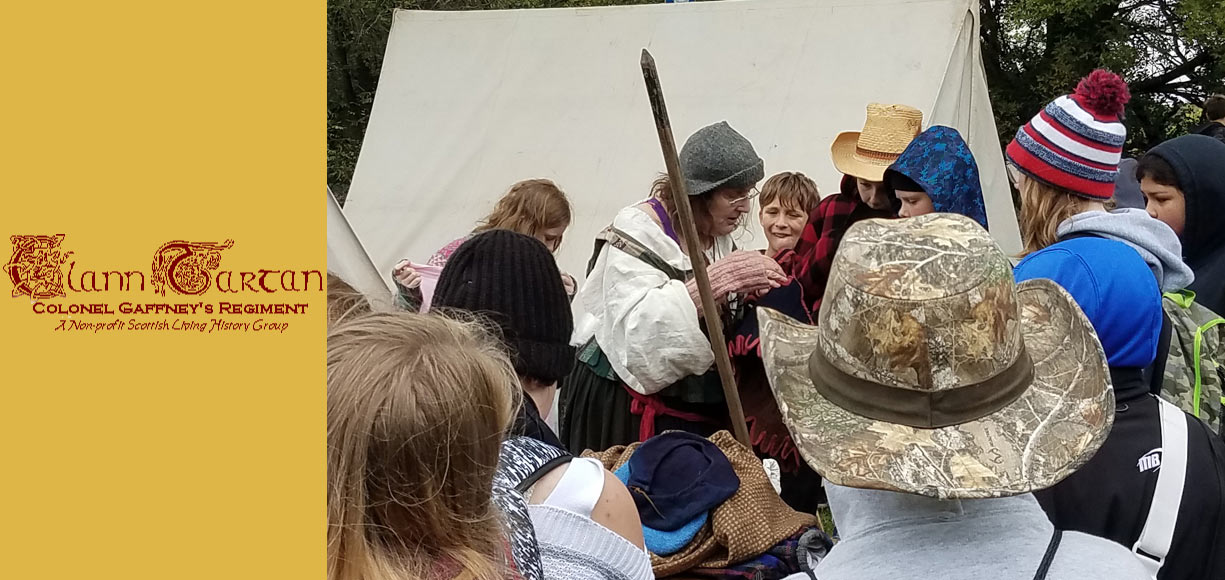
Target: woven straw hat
[
  {"x": 886, "y": 133},
  {"x": 932, "y": 373}
]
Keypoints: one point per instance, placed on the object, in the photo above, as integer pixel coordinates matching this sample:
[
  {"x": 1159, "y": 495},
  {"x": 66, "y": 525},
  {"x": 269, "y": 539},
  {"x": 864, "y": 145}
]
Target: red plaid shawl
[{"x": 814, "y": 253}]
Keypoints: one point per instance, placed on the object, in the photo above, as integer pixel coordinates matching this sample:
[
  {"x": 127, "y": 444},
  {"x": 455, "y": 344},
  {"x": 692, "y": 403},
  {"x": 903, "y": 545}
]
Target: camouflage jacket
[{"x": 1195, "y": 367}]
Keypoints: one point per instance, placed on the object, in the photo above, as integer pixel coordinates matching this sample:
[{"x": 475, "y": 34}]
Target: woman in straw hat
[
  {"x": 862, "y": 157},
  {"x": 934, "y": 396},
  {"x": 645, "y": 362}
]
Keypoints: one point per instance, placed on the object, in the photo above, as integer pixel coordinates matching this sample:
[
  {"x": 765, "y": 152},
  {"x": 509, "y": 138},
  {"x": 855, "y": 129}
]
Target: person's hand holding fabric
[
  {"x": 741, "y": 272},
  {"x": 406, "y": 275}
]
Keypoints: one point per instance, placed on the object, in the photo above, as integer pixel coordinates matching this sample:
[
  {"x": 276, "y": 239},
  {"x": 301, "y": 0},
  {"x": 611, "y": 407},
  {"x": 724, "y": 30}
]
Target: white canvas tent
[
  {"x": 348, "y": 259},
  {"x": 470, "y": 102}
]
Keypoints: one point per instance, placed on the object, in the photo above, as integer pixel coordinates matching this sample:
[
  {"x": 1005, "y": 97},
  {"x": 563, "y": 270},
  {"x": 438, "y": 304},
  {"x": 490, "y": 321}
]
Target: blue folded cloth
[
  {"x": 675, "y": 476},
  {"x": 663, "y": 543}
]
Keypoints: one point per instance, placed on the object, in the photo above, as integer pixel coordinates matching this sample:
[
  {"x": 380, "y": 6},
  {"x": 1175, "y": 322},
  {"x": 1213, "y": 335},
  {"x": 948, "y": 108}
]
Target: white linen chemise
[{"x": 645, "y": 322}]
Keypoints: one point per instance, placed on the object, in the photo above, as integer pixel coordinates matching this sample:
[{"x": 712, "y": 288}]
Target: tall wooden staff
[{"x": 680, "y": 198}]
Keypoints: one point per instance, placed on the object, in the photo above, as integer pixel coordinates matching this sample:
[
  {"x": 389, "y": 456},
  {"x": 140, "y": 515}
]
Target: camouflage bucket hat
[{"x": 932, "y": 373}]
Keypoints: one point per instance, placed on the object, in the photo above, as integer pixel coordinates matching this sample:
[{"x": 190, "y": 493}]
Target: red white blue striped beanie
[{"x": 1075, "y": 143}]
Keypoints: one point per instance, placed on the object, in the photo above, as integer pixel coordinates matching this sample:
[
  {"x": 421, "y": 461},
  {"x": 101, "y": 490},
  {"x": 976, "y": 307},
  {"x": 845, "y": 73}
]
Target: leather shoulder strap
[{"x": 626, "y": 243}]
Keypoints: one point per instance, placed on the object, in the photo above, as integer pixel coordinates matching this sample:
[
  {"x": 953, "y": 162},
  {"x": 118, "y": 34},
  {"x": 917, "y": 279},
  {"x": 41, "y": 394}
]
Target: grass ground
[{"x": 826, "y": 520}]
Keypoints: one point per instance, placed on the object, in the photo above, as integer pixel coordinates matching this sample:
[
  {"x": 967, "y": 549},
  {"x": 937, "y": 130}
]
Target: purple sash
[{"x": 664, "y": 220}]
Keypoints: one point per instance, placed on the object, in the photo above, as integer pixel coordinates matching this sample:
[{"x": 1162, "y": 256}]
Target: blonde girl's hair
[
  {"x": 791, "y": 189},
  {"x": 417, "y": 407},
  {"x": 529, "y": 207},
  {"x": 1043, "y": 208},
  {"x": 344, "y": 301}
]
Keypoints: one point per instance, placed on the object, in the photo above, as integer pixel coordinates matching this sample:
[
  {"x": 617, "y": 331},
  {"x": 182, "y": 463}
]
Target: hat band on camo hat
[{"x": 923, "y": 409}]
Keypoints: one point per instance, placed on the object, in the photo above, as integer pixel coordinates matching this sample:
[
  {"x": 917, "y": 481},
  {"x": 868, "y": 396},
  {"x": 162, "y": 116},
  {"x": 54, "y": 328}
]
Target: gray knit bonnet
[{"x": 716, "y": 157}]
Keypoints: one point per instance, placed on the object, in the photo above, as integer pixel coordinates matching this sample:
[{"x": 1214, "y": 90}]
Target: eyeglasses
[{"x": 753, "y": 193}]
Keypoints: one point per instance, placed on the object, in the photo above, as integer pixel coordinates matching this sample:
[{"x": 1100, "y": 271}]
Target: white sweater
[
  {"x": 645, "y": 322},
  {"x": 575, "y": 547}
]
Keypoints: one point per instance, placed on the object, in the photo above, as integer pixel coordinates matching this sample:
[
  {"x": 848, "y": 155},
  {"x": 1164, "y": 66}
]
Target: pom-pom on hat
[{"x": 1075, "y": 143}]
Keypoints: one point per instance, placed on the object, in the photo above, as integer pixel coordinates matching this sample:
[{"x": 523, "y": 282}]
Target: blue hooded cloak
[{"x": 941, "y": 163}]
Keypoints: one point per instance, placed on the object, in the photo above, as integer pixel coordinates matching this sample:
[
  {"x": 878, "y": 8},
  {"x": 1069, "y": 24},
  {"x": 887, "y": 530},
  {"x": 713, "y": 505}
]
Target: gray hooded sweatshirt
[
  {"x": 1155, "y": 241},
  {"x": 889, "y": 535}
]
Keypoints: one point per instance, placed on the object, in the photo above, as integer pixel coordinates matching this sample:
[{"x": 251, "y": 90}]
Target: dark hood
[
  {"x": 941, "y": 163},
  {"x": 1199, "y": 164}
]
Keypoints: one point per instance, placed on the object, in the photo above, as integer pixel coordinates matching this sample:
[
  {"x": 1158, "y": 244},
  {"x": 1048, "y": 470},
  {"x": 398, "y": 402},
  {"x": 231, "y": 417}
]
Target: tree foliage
[{"x": 1171, "y": 53}]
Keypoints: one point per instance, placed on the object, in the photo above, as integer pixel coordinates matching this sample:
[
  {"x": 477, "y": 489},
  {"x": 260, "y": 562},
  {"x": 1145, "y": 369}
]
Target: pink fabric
[
  {"x": 740, "y": 272},
  {"x": 429, "y": 279}
]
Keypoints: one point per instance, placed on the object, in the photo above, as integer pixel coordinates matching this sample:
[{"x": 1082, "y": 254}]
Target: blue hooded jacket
[
  {"x": 941, "y": 163},
  {"x": 1113, "y": 286}
]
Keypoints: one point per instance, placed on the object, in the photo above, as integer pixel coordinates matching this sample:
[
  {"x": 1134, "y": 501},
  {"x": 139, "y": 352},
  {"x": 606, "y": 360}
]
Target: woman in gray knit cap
[{"x": 644, "y": 362}]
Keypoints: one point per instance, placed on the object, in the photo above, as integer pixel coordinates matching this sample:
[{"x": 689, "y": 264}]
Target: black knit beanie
[{"x": 513, "y": 280}]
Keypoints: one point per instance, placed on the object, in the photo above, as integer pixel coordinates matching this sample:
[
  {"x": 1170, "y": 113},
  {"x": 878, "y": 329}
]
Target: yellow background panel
[{"x": 162, "y": 453}]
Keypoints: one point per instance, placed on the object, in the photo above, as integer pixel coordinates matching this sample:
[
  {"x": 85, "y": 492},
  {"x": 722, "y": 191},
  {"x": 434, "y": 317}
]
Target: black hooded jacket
[
  {"x": 1199, "y": 164},
  {"x": 529, "y": 423},
  {"x": 1110, "y": 495},
  {"x": 1214, "y": 129}
]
